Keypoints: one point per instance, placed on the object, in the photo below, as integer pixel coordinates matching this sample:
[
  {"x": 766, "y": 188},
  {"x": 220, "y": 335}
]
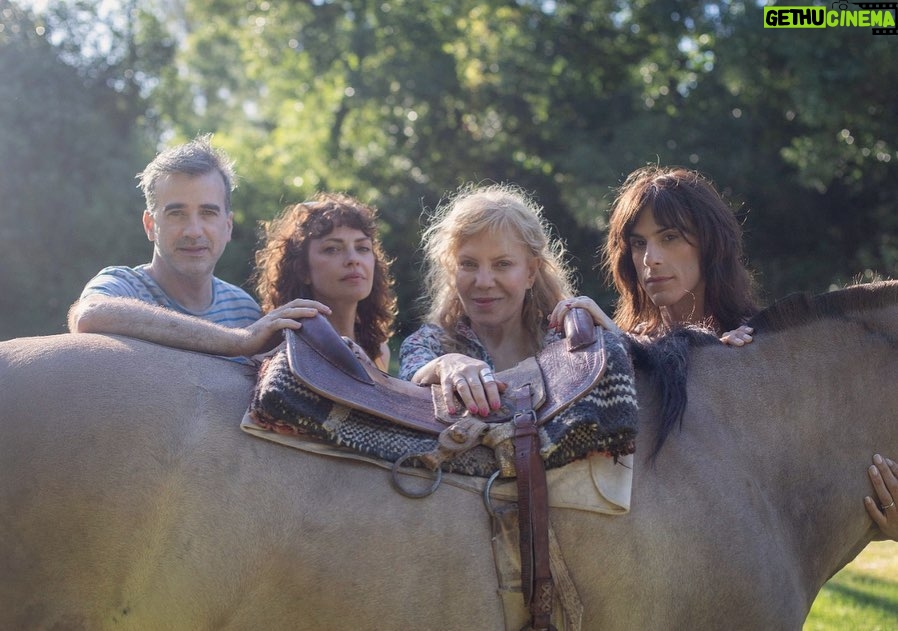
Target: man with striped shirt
[{"x": 175, "y": 299}]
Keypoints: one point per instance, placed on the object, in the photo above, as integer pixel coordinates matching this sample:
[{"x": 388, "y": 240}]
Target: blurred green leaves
[{"x": 400, "y": 102}]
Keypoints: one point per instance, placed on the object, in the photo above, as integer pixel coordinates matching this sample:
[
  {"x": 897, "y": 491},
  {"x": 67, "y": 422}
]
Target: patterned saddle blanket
[{"x": 292, "y": 396}]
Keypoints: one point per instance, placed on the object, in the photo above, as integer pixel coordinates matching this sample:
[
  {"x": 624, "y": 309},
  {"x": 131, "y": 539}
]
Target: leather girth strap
[{"x": 533, "y": 514}]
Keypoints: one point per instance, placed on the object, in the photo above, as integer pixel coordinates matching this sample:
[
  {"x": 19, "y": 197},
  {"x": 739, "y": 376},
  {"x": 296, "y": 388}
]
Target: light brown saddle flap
[
  {"x": 339, "y": 370},
  {"x": 526, "y": 372}
]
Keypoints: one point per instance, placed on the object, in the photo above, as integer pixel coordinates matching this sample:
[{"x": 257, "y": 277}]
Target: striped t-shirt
[{"x": 231, "y": 306}]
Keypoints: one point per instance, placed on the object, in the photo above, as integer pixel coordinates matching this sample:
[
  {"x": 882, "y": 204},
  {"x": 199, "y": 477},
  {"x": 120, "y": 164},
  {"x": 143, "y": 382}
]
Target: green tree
[
  {"x": 399, "y": 102},
  {"x": 69, "y": 149},
  {"x": 801, "y": 125}
]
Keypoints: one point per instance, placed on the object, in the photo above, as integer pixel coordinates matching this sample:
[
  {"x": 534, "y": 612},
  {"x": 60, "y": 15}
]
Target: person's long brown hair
[
  {"x": 282, "y": 263},
  {"x": 686, "y": 200}
]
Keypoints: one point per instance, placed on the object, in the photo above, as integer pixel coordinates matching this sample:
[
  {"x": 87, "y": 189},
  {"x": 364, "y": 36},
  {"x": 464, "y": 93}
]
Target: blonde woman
[{"x": 493, "y": 276}]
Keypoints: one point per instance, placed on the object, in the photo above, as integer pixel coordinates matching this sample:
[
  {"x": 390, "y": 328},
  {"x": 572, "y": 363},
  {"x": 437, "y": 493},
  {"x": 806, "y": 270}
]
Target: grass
[{"x": 863, "y": 596}]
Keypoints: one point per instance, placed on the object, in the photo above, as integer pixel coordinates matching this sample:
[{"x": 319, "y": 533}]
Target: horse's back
[
  {"x": 131, "y": 498},
  {"x": 98, "y": 444},
  {"x": 90, "y": 402}
]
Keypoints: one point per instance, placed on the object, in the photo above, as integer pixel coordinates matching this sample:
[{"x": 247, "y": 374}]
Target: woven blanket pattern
[{"x": 602, "y": 421}]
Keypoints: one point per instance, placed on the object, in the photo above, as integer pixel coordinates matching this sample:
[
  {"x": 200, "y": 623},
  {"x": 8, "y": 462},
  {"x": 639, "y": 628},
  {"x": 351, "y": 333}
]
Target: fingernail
[
  {"x": 495, "y": 405},
  {"x": 877, "y": 458},
  {"x": 484, "y": 411},
  {"x": 451, "y": 409},
  {"x": 890, "y": 462},
  {"x": 473, "y": 409},
  {"x": 874, "y": 471}
]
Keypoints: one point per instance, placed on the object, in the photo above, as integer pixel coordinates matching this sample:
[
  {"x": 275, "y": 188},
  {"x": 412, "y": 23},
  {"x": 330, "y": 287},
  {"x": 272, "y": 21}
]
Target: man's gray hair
[{"x": 194, "y": 158}]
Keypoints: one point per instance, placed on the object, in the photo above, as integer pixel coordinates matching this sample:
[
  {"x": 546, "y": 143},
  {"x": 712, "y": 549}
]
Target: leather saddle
[{"x": 339, "y": 370}]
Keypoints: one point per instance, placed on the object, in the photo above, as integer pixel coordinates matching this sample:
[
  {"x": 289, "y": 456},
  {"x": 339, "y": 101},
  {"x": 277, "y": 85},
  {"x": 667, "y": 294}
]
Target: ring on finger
[
  {"x": 459, "y": 382},
  {"x": 487, "y": 375},
  {"x": 889, "y": 506}
]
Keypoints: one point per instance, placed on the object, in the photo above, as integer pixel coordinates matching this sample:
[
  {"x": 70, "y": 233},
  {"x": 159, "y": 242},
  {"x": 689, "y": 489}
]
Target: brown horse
[{"x": 131, "y": 499}]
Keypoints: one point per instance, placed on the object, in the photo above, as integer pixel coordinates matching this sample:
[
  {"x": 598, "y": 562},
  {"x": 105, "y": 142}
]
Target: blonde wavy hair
[{"x": 494, "y": 209}]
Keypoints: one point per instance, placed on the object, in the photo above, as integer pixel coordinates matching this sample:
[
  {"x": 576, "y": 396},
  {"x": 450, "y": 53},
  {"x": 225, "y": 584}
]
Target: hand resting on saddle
[
  {"x": 134, "y": 318},
  {"x": 454, "y": 373},
  {"x": 472, "y": 379}
]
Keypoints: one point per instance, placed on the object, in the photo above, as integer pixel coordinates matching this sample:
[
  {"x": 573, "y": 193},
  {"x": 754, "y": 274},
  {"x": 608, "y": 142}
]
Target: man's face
[{"x": 190, "y": 225}]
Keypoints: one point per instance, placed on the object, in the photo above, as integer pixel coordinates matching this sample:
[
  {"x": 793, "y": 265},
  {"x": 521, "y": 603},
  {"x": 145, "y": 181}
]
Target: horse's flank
[{"x": 130, "y": 498}]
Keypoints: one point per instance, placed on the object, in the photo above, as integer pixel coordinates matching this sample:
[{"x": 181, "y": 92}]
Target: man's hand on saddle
[
  {"x": 738, "y": 337},
  {"x": 882, "y": 509},
  {"x": 473, "y": 380},
  {"x": 265, "y": 333},
  {"x": 556, "y": 318}
]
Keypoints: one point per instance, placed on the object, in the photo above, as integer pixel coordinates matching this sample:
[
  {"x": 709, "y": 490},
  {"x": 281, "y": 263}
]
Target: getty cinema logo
[{"x": 878, "y": 15}]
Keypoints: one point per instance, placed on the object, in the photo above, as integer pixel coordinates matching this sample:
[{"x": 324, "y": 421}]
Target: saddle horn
[{"x": 579, "y": 329}]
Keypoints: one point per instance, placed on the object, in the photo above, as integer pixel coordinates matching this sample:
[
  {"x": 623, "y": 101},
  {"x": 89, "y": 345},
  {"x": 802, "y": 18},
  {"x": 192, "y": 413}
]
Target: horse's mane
[
  {"x": 804, "y": 307},
  {"x": 665, "y": 362},
  {"x": 666, "y": 359}
]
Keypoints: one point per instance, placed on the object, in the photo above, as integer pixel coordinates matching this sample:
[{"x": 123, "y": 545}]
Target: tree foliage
[
  {"x": 68, "y": 150},
  {"x": 400, "y": 102}
]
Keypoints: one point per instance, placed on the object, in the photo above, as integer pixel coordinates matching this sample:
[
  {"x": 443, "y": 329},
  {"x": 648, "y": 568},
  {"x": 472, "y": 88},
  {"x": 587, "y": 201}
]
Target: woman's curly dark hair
[{"x": 282, "y": 263}]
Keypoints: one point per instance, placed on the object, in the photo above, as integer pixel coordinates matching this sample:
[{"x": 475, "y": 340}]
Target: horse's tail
[{"x": 665, "y": 360}]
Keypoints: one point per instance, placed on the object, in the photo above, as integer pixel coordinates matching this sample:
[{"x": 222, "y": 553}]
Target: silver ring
[
  {"x": 409, "y": 492},
  {"x": 487, "y": 375},
  {"x": 487, "y": 500},
  {"x": 889, "y": 506}
]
